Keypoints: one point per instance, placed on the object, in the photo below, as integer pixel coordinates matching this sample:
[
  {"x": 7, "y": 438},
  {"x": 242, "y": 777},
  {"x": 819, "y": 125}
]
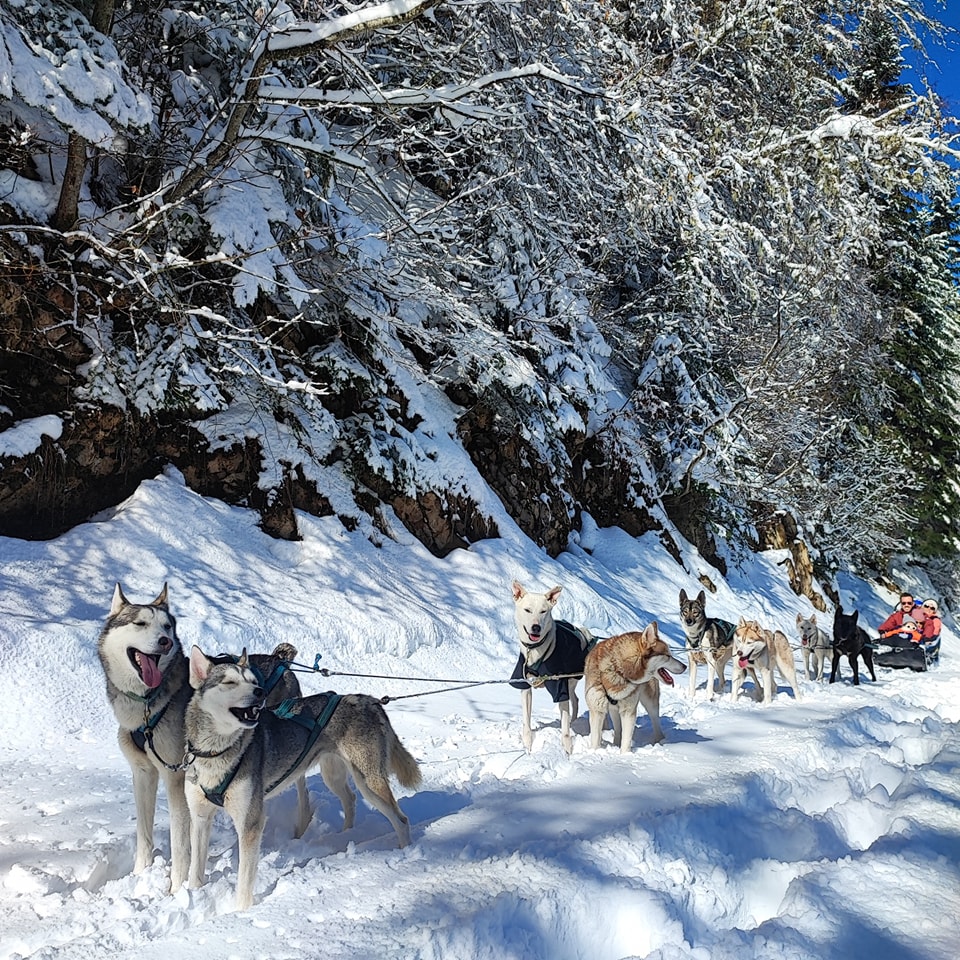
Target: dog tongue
[
  {"x": 664, "y": 675},
  {"x": 149, "y": 672},
  {"x": 744, "y": 663}
]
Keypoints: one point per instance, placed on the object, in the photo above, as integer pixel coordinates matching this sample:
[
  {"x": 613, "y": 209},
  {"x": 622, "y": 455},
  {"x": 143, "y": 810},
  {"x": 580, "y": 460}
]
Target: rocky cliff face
[{"x": 103, "y": 452}]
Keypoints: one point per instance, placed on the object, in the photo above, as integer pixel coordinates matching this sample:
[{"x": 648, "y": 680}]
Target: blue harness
[{"x": 283, "y": 711}]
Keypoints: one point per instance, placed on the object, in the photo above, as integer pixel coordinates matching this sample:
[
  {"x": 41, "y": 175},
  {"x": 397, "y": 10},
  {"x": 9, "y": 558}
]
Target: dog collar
[
  {"x": 193, "y": 753},
  {"x": 533, "y": 644},
  {"x": 147, "y": 699}
]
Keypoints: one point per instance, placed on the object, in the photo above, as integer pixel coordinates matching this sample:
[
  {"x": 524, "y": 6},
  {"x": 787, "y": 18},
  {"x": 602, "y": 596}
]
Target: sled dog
[
  {"x": 815, "y": 643},
  {"x": 621, "y": 673},
  {"x": 759, "y": 649},
  {"x": 709, "y": 642},
  {"x": 239, "y": 754},
  {"x": 548, "y": 648},
  {"x": 851, "y": 641},
  {"x": 148, "y": 689}
]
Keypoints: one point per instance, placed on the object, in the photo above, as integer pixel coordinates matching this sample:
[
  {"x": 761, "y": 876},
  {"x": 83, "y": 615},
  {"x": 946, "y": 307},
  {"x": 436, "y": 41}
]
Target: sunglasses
[
  {"x": 906, "y": 603},
  {"x": 929, "y": 606}
]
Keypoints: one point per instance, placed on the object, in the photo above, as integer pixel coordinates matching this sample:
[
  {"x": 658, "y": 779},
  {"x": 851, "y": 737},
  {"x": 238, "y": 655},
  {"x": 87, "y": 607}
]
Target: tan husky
[
  {"x": 757, "y": 649},
  {"x": 621, "y": 673}
]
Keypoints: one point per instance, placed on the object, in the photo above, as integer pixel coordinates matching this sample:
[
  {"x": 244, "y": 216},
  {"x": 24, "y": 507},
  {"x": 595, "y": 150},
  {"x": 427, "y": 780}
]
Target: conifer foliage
[{"x": 649, "y": 250}]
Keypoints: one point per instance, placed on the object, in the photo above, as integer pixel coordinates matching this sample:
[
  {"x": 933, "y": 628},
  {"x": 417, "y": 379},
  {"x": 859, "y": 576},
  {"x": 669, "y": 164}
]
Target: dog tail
[
  {"x": 285, "y": 651},
  {"x": 402, "y": 762}
]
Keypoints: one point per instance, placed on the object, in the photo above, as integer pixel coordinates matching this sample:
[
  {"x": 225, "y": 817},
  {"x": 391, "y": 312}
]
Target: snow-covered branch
[
  {"x": 300, "y": 39},
  {"x": 421, "y": 96}
]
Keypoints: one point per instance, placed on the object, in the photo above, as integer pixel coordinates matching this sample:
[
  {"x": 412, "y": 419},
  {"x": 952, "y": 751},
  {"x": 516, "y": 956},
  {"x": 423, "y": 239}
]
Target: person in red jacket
[
  {"x": 932, "y": 623},
  {"x": 906, "y": 622}
]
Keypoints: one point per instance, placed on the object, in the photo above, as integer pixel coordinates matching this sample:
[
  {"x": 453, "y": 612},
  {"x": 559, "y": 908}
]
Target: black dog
[{"x": 849, "y": 640}]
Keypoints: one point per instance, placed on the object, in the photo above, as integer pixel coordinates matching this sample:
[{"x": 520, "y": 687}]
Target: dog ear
[
  {"x": 553, "y": 594},
  {"x": 518, "y": 590},
  {"x": 119, "y": 601},
  {"x": 650, "y": 632},
  {"x": 743, "y": 621},
  {"x": 161, "y": 600},
  {"x": 702, "y": 599},
  {"x": 683, "y": 596},
  {"x": 799, "y": 619},
  {"x": 199, "y": 667},
  {"x": 244, "y": 660},
  {"x": 813, "y": 619}
]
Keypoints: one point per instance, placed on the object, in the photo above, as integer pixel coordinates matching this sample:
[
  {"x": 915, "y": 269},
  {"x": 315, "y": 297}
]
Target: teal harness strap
[
  {"x": 308, "y": 723},
  {"x": 284, "y": 711},
  {"x": 143, "y": 735},
  {"x": 267, "y": 683},
  {"x": 216, "y": 795},
  {"x": 726, "y": 629}
]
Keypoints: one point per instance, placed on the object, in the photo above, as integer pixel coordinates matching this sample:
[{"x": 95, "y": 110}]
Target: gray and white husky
[
  {"x": 709, "y": 641},
  {"x": 239, "y": 754},
  {"x": 815, "y": 642},
  {"x": 148, "y": 688}
]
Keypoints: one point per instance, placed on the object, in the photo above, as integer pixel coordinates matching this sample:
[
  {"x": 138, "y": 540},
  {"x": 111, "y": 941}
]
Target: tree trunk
[{"x": 66, "y": 215}]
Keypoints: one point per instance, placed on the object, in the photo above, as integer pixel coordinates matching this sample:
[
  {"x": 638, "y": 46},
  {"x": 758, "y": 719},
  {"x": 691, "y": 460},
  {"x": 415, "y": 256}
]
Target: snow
[
  {"x": 827, "y": 828},
  {"x": 26, "y": 436}
]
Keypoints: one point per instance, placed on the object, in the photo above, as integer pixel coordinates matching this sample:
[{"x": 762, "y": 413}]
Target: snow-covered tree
[{"x": 636, "y": 253}]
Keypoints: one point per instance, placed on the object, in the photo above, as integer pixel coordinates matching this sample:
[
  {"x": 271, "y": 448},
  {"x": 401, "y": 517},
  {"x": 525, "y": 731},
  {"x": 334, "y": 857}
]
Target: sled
[{"x": 905, "y": 653}]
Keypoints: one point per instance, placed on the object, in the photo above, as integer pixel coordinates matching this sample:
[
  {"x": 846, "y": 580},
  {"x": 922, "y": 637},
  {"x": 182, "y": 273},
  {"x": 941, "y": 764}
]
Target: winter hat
[{"x": 932, "y": 603}]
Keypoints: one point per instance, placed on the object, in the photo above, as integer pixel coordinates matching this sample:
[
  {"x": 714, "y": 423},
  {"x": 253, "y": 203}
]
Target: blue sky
[{"x": 945, "y": 77}]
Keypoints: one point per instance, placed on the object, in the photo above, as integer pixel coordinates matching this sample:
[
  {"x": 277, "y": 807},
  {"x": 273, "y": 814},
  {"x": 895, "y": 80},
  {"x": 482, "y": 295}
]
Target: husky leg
[
  {"x": 692, "y": 667},
  {"x": 711, "y": 676},
  {"x": 375, "y": 788},
  {"x": 250, "y": 836},
  {"x": 333, "y": 769},
  {"x": 304, "y": 810},
  {"x": 626, "y": 711},
  {"x": 179, "y": 829},
  {"x": 614, "y": 710},
  {"x": 789, "y": 670},
  {"x": 565, "y": 736},
  {"x": 526, "y": 708},
  {"x": 806, "y": 661},
  {"x": 596, "y": 704},
  {"x": 574, "y": 703},
  {"x": 201, "y": 820},
  {"x": 648, "y": 694},
  {"x": 721, "y": 670},
  {"x": 736, "y": 681},
  {"x": 145, "y": 782},
  {"x": 768, "y": 683}
]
